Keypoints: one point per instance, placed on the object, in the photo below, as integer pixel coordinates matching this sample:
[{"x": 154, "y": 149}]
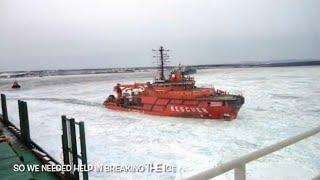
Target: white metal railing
[
  {"x": 316, "y": 178},
  {"x": 239, "y": 164}
]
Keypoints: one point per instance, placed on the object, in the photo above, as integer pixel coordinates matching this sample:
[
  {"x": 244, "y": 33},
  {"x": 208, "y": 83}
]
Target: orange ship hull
[{"x": 182, "y": 108}]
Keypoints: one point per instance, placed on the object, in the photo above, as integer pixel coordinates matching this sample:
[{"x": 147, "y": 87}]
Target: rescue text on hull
[{"x": 176, "y": 95}]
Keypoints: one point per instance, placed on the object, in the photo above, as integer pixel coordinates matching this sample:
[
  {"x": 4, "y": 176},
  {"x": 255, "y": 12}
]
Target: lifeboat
[
  {"x": 175, "y": 95},
  {"x": 15, "y": 85}
]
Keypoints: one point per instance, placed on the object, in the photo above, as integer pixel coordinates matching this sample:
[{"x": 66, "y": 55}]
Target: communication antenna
[{"x": 162, "y": 59}]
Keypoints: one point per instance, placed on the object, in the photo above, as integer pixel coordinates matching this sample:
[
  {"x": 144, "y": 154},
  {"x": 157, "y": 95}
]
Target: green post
[
  {"x": 21, "y": 118},
  {"x": 69, "y": 147},
  {"x": 74, "y": 146},
  {"x": 83, "y": 148},
  {"x": 65, "y": 147},
  {"x": 24, "y": 123},
  {"x": 4, "y": 109}
]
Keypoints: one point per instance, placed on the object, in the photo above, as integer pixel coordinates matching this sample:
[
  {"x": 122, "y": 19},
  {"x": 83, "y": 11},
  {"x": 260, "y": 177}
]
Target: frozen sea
[{"x": 280, "y": 103}]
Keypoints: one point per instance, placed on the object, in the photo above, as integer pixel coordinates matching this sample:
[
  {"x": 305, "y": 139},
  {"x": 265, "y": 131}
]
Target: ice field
[{"x": 280, "y": 102}]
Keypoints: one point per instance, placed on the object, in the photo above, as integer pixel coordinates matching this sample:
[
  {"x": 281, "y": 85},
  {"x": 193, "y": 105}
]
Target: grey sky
[{"x": 50, "y": 34}]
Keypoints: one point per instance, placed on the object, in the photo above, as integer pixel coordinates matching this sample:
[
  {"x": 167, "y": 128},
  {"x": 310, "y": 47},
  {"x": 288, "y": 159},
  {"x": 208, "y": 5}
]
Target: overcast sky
[{"x": 63, "y": 34}]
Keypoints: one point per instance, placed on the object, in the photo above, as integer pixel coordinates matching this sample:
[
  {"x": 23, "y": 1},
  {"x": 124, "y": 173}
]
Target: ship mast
[{"x": 163, "y": 59}]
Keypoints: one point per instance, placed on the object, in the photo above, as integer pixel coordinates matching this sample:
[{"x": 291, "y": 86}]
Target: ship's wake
[{"x": 63, "y": 100}]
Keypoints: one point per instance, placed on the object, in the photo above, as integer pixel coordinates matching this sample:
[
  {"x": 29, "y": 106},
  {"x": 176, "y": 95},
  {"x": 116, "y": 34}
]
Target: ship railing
[{"x": 239, "y": 164}]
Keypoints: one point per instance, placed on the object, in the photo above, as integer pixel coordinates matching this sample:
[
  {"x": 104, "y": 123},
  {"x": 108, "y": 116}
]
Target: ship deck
[
  {"x": 16, "y": 153},
  {"x": 227, "y": 97}
]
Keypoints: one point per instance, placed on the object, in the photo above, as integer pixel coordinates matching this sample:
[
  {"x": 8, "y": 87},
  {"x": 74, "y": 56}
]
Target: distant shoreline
[
  {"x": 41, "y": 73},
  {"x": 271, "y": 64}
]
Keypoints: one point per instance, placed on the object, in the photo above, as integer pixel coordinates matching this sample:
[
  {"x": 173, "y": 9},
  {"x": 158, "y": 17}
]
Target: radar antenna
[{"x": 162, "y": 58}]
